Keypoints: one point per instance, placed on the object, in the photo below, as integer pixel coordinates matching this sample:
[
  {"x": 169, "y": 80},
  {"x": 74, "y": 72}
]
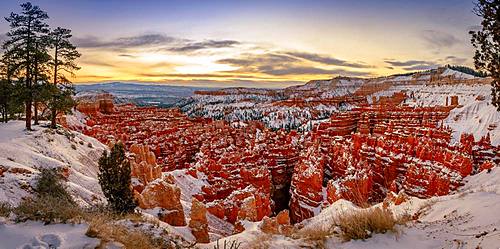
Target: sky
[{"x": 259, "y": 43}]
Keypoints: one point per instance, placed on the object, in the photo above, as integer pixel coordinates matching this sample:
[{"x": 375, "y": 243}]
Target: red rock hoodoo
[{"x": 251, "y": 172}]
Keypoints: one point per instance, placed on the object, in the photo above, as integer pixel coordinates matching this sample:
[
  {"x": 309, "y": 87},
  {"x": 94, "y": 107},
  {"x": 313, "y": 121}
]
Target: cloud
[
  {"x": 412, "y": 65},
  {"x": 214, "y": 75},
  {"x": 96, "y": 63},
  {"x": 127, "y": 55},
  {"x": 455, "y": 60},
  {"x": 195, "y": 46},
  {"x": 421, "y": 67},
  {"x": 247, "y": 60},
  {"x": 439, "y": 39},
  {"x": 124, "y": 42},
  {"x": 94, "y": 77},
  {"x": 159, "y": 41},
  {"x": 327, "y": 60},
  {"x": 307, "y": 70},
  {"x": 406, "y": 63},
  {"x": 277, "y": 64}
]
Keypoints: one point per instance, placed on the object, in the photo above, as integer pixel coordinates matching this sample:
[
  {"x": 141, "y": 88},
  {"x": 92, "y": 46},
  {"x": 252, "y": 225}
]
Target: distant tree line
[
  {"x": 33, "y": 67},
  {"x": 468, "y": 70},
  {"x": 463, "y": 69}
]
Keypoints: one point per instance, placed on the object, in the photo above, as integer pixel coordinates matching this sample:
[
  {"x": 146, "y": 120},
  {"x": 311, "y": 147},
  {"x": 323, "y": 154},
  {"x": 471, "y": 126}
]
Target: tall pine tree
[
  {"x": 26, "y": 31},
  {"x": 40, "y": 75},
  {"x": 487, "y": 44},
  {"x": 115, "y": 180},
  {"x": 62, "y": 62}
]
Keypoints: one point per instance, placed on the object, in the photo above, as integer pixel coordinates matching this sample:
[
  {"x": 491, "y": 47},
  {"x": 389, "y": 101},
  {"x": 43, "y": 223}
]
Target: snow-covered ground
[
  {"x": 24, "y": 153},
  {"x": 474, "y": 114},
  {"x": 36, "y": 235},
  {"x": 469, "y": 218}
]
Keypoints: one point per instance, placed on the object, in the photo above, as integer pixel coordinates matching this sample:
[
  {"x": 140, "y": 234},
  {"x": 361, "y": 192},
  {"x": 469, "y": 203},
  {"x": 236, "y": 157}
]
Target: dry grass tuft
[
  {"x": 260, "y": 241},
  {"x": 362, "y": 224},
  {"x": 317, "y": 235},
  {"x": 48, "y": 209},
  {"x": 102, "y": 226},
  {"x": 352, "y": 226}
]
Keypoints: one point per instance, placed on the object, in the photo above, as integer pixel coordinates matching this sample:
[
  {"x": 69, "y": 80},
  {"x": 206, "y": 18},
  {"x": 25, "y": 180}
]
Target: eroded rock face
[
  {"x": 306, "y": 189},
  {"x": 198, "y": 222},
  {"x": 164, "y": 194},
  {"x": 92, "y": 105},
  {"x": 251, "y": 172},
  {"x": 277, "y": 225},
  {"x": 144, "y": 168}
]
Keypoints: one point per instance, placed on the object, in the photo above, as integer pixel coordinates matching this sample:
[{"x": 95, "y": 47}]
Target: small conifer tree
[{"x": 114, "y": 178}]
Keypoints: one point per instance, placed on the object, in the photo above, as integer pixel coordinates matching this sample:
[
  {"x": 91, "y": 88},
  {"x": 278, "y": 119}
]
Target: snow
[
  {"x": 468, "y": 218},
  {"x": 475, "y": 117},
  {"x": 474, "y": 114},
  {"x": 47, "y": 148},
  {"x": 190, "y": 186},
  {"x": 457, "y": 74},
  {"x": 76, "y": 120},
  {"x": 32, "y": 234}
]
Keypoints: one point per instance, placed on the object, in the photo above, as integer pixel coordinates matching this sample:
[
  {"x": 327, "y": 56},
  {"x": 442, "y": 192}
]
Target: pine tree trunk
[
  {"x": 4, "y": 114},
  {"x": 54, "y": 111},
  {"x": 35, "y": 115},
  {"x": 53, "y": 119},
  {"x": 28, "y": 115}
]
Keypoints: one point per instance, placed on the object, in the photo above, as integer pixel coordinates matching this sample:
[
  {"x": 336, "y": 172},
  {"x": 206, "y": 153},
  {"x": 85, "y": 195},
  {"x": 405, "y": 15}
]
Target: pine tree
[
  {"x": 11, "y": 94},
  {"x": 40, "y": 75},
  {"x": 63, "y": 60},
  {"x": 487, "y": 44},
  {"x": 115, "y": 180},
  {"x": 26, "y": 30}
]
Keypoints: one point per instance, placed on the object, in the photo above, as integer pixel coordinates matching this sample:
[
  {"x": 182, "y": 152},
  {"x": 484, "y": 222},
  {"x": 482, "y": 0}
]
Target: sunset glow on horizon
[{"x": 259, "y": 43}]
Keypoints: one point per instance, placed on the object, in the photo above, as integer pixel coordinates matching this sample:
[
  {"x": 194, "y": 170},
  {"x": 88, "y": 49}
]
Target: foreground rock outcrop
[
  {"x": 162, "y": 193},
  {"x": 198, "y": 221}
]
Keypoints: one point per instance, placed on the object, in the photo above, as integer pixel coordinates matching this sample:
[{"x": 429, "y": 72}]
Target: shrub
[
  {"x": 90, "y": 145},
  {"x": 48, "y": 209},
  {"x": 73, "y": 146},
  {"x": 115, "y": 180},
  {"x": 50, "y": 183},
  {"x": 51, "y": 203},
  {"x": 361, "y": 224},
  {"x": 5, "y": 209}
]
